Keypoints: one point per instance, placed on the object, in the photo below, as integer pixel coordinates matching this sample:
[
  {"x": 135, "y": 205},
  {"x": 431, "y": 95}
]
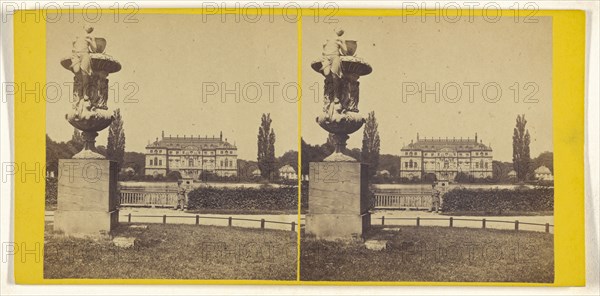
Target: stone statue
[
  {"x": 341, "y": 69},
  {"x": 81, "y": 64},
  {"x": 91, "y": 67},
  {"x": 88, "y": 208},
  {"x": 332, "y": 70}
]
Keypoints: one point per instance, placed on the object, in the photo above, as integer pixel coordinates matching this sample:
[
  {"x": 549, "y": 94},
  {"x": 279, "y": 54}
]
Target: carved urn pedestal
[
  {"x": 339, "y": 199},
  {"x": 87, "y": 184}
]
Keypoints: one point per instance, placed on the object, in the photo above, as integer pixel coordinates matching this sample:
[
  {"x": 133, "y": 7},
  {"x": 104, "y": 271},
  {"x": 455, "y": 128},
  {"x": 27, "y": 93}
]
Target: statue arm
[
  {"x": 92, "y": 43},
  {"x": 342, "y": 45}
]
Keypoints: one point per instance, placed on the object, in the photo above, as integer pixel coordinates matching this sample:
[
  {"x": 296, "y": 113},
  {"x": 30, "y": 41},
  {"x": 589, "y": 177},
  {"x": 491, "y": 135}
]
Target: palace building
[
  {"x": 190, "y": 156},
  {"x": 445, "y": 158}
]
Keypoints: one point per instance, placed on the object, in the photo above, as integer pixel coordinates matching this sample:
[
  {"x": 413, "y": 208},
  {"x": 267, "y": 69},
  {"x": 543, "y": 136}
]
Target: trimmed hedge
[
  {"x": 282, "y": 198},
  {"x": 498, "y": 201},
  {"x": 51, "y": 191}
]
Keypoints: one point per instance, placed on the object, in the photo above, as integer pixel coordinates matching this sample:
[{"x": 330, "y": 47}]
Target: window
[
  {"x": 231, "y": 163},
  {"x": 150, "y": 161},
  {"x": 191, "y": 162},
  {"x": 406, "y": 164},
  {"x": 476, "y": 165},
  {"x": 155, "y": 161},
  {"x": 221, "y": 163}
]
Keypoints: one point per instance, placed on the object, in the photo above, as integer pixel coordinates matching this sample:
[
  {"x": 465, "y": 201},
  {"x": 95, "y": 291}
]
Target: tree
[
  {"x": 291, "y": 158},
  {"x": 136, "y": 161},
  {"x": 115, "y": 148},
  {"x": 76, "y": 140},
  {"x": 544, "y": 159},
  {"x": 311, "y": 153},
  {"x": 328, "y": 147},
  {"x": 173, "y": 176},
  {"x": 266, "y": 147},
  {"x": 370, "y": 144},
  {"x": 521, "y": 157}
]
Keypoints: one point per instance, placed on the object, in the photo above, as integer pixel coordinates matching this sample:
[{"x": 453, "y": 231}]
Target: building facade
[
  {"x": 446, "y": 158},
  {"x": 544, "y": 174},
  {"x": 190, "y": 156},
  {"x": 287, "y": 172}
]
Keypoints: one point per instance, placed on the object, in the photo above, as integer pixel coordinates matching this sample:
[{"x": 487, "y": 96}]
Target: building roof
[
  {"x": 543, "y": 170},
  {"x": 287, "y": 169},
  {"x": 383, "y": 172},
  {"x": 191, "y": 142},
  {"x": 454, "y": 144}
]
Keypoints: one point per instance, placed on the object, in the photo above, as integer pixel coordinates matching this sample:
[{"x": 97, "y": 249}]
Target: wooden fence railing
[
  {"x": 148, "y": 198},
  {"x": 383, "y": 200},
  {"x": 198, "y": 219},
  {"x": 390, "y": 200},
  {"x": 484, "y": 222}
]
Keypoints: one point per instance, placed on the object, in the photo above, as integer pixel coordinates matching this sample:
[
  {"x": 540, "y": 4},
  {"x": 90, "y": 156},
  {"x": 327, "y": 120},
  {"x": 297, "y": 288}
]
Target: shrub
[
  {"x": 264, "y": 198},
  {"x": 51, "y": 191},
  {"x": 304, "y": 197},
  {"x": 499, "y": 201}
]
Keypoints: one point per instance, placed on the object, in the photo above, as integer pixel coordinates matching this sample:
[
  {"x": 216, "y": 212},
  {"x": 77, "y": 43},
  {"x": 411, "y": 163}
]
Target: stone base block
[
  {"x": 85, "y": 223},
  {"x": 87, "y": 197},
  {"x": 338, "y": 201},
  {"x": 337, "y": 226}
]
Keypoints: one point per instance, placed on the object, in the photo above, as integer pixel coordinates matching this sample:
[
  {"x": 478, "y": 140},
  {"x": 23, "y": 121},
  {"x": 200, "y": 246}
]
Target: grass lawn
[
  {"x": 175, "y": 251},
  {"x": 433, "y": 254},
  {"x": 508, "y": 214},
  {"x": 244, "y": 212}
]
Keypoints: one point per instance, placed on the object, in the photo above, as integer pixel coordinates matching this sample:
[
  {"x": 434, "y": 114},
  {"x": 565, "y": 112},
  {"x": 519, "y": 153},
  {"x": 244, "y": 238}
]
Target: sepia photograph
[
  {"x": 299, "y": 147},
  {"x": 443, "y": 170},
  {"x": 172, "y": 149}
]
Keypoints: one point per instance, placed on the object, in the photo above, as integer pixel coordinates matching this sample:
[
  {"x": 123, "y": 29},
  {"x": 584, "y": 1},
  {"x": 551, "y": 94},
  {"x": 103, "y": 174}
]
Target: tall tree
[
  {"x": 266, "y": 147},
  {"x": 328, "y": 146},
  {"x": 76, "y": 140},
  {"x": 370, "y": 144},
  {"x": 544, "y": 159},
  {"x": 521, "y": 140},
  {"x": 115, "y": 148}
]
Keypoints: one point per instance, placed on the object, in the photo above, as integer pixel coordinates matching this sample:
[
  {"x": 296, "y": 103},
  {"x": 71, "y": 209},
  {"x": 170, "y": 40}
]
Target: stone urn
[
  {"x": 351, "y": 46},
  {"x": 89, "y": 123},
  {"x": 90, "y": 112},
  {"x": 340, "y": 115}
]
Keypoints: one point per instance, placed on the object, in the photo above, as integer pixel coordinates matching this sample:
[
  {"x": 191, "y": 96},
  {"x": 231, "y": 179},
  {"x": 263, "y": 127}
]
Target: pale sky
[
  {"x": 427, "y": 52},
  {"x": 170, "y": 62},
  {"x": 170, "y": 58}
]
